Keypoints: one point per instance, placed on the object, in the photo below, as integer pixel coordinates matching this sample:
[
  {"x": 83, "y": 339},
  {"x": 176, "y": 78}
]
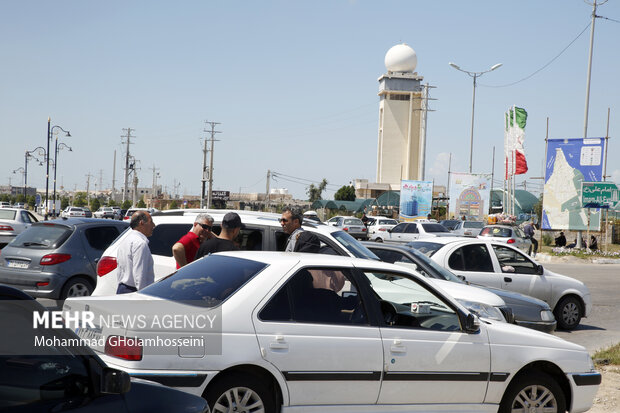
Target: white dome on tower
[{"x": 401, "y": 58}]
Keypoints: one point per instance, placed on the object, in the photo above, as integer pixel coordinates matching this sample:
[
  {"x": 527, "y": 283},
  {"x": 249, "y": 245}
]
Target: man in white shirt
[{"x": 134, "y": 259}]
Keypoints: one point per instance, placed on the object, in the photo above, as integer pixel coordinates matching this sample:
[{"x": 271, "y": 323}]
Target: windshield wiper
[{"x": 36, "y": 244}]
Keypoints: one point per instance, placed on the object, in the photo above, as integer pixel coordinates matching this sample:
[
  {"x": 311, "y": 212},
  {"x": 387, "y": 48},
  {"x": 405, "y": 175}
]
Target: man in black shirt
[{"x": 231, "y": 225}]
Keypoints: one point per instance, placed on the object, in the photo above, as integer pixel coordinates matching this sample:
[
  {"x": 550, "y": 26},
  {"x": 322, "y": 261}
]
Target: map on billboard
[
  {"x": 470, "y": 195},
  {"x": 569, "y": 163},
  {"x": 416, "y": 199}
]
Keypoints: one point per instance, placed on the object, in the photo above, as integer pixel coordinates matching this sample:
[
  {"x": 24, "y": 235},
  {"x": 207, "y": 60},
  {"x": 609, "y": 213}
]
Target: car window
[
  {"x": 46, "y": 236},
  {"x": 425, "y": 247},
  {"x": 353, "y": 221},
  {"x": 390, "y": 256},
  {"x": 473, "y": 257},
  {"x": 513, "y": 261},
  {"x": 430, "y": 268},
  {"x": 434, "y": 228},
  {"x": 411, "y": 229},
  {"x": 100, "y": 238},
  {"x": 250, "y": 239},
  {"x": 473, "y": 224},
  {"x": 353, "y": 246},
  {"x": 496, "y": 232},
  {"x": 165, "y": 236},
  {"x": 317, "y": 295},
  {"x": 519, "y": 233},
  {"x": 207, "y": 282},
  {"x": 26, "y": 217},
  {"x": 405, "y": 303},
  {"x": 33, "y": 218},
  {"x": 7, "y": 214},
  {"x": 399, "y": 228},
  {"x": 388, "y": 222}
]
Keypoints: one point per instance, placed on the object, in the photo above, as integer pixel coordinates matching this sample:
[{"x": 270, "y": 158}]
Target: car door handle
[
  {"x": 508, "y": 279},
  {"x": 397, "y": 347},
  {"x": 279, "y": 344}
]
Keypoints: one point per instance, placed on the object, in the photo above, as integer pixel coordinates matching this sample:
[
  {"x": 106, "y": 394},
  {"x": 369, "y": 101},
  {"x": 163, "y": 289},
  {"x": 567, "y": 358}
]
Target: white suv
[{"x": 263, "y": 232}]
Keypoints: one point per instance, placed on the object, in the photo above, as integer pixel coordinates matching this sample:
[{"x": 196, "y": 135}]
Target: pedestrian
[
  {"x": 134, "y": 259},
  {"x": 291, "y": 224},
  {"x": 530, "y": 231},
  {"x": 231, "y": 226},
  {"x": 184, "y": 250},
  {"x": 560, "y": 241},
  {"x": 593, "y": 243}
]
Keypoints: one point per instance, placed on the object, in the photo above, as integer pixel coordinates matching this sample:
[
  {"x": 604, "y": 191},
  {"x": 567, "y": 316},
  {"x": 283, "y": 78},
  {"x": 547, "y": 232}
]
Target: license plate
[
  {"x": 17, "y": 264},
  {"x": 89, "y": 333}
]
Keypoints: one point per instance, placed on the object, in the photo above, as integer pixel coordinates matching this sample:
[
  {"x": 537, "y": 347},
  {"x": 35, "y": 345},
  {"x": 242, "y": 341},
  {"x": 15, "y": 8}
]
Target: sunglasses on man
[
  {"x": 206, "y": 226},
  {"x": 283, "y": 220}
]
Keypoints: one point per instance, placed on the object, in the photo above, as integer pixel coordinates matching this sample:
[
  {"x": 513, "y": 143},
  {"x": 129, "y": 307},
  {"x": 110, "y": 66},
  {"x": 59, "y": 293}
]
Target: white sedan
[
  {"x": 14, "y": 221},
  {"x": 495, "y": 264},
  {"x": 267, "y": 332},
  {"x": 411, "y": 231}
]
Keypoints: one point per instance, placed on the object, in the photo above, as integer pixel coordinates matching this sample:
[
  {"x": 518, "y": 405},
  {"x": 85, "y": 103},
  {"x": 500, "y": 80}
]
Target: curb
[{"x": 567, "y": 259}]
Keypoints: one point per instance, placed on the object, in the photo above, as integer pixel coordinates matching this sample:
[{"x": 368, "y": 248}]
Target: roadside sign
[
  {"x": 37, "y": 199},
  {"x": 599, "y": 195}
]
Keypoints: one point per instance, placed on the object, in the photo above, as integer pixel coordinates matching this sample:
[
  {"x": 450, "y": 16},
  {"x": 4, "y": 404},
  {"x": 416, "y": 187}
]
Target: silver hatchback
[
  {"x": 508, "y": 234},
  {"x": 353, "y": 226},
  {"x": 58, "y": 259}
]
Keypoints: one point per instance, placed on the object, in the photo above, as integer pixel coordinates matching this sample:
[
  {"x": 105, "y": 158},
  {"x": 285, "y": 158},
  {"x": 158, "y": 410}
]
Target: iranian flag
[{"x": 514, "y": 135}]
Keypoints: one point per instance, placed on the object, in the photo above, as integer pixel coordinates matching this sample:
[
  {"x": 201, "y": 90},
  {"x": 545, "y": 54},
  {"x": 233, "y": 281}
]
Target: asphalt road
[{"x": 602, "y": 328}]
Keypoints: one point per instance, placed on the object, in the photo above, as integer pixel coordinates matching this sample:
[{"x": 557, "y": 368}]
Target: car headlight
[
  {"x": 546, "y": 315},
  {"x": 483, "y": 310}
]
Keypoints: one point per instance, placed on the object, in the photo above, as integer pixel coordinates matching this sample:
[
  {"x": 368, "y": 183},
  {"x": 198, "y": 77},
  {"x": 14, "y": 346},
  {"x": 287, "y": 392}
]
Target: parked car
[
  {"x": 57, "y": 259},
  {"x": 450, "y": 223},
  {"x": 311, "y": 332},
  {"x": 352, "y": 225},
  {"x": 105, "y": 212},
  {"x": 511, "y": 235},
  {"x": 62, "y": 376},
  {"x": 118, "y": 212},
  {"x": 495, "y": 264},
  {"x": 4, "y": 204},
  {"x": 20, "y": 205},
  {"x": 13, "y": 221},
  {"x": 262, "y": 232},
  {"x": 312, "y": 216},
  {"x": 526, "y": 311},
  {"x": 468, "y": 228},
  {"x": 378, "y": 227},
  {"x": 87, "y": 212},
  {"x": 131, "y": 211},
  {"x": 410, "y": 231},
  {"x": 71, "y": 211}
]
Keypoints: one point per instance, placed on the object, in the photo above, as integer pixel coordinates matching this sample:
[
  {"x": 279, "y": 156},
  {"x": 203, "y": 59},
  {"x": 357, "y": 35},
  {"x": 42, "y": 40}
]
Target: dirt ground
[{"x": 608, "y": 396}]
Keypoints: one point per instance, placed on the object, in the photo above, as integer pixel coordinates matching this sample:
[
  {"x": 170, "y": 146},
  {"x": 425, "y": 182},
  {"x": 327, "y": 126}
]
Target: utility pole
[
  {"x": 134, "y": 170},
  {"x": 154, "y": 190},
  {"x": 268, "y": 189},
  {"x": 100, "y": 181},
  {"x": 88, "y": 189},
  {"x": 212, "y": 140},
  {"x": 205, "y": 174},
  {"x": 127, "y": 155},
  {"x": 113, "y": 194}
]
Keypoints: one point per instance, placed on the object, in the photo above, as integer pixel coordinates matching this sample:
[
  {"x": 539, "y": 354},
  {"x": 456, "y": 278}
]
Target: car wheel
[
  {"x": 76, "y": 287},
  {"x": 378, "y": 240},
  {"x": 238, "y": 392},
  {"x": 533, "y": 392},
  {"x": 568, "y": 313}
]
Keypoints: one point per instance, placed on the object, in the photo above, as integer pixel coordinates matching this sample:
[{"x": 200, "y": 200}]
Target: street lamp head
[
  {"x": 495, "y": 66},
  {"x": 454, "y": 66},
  {"x": 69, "y": 134}
]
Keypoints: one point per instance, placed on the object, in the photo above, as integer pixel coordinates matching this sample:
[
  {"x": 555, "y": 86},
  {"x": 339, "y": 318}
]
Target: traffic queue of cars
[{"x": 417, "y": 332}]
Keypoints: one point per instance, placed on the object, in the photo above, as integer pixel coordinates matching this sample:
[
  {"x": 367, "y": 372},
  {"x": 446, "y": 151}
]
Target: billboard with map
[
  {"x": 569, "y": 163},
  {"x": 469, "y": 195}
]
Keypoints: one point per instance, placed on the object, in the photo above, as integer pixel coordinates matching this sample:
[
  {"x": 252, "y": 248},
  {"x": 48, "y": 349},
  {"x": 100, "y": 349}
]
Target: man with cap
[{"x": 231, "y": 225}]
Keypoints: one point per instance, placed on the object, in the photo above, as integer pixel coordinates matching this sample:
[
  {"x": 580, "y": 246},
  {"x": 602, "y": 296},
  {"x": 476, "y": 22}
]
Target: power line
[{"x": 542, "y": 68}]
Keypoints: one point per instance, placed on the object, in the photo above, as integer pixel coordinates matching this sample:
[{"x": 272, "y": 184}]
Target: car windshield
[
  {"x": 436, "y": 270},
  {"x": 353, "y": 221},
  {"x": 207, "y": 282},
  {"x": 473, "y": 224},
  {"x": 450, "y": 224},
  {"x": 425, "y": 247},
  {"x": 42, "y": 236},
  {"x": 434, "y": 228},
  {"x": 388, "y": 222},
  {"x": 496, "y": 232},
  {"x": 7, "y": 214},
  {"x": 353, "y": 246}
]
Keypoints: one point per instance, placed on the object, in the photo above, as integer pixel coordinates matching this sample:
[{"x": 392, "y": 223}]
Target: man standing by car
[
  {"x": 291, "y": 224},
  {"x": 184, "y": 250},
  {"x": 529, "y": 231},
  {"x": 231, "y": 226},
  {"x": 135, "y": 262}
]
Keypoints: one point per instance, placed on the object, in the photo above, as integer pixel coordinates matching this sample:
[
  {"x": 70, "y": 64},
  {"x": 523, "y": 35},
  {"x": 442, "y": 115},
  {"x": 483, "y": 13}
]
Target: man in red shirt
[{"x": 184, "y": 250}]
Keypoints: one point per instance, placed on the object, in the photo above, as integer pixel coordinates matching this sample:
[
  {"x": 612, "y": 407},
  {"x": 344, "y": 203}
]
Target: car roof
[{"x": 80, "y": 221}]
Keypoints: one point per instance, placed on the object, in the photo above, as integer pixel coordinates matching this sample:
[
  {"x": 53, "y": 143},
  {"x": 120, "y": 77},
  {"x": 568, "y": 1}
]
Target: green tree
[
  {"x": 64, "y": 202},
  {"x": 174, "y": 205},
  {"x": 30, "y": 201},
  {"x": 314, "y": 192},
  {"x": 126, "y": 204},
  {"x": 79, "y": 199},
  {"x": 141, "y": 204},
  {"x": 538, "y": 209},
  {"x": 95, "y": 204},
  {"x": 346, "y": 193}
]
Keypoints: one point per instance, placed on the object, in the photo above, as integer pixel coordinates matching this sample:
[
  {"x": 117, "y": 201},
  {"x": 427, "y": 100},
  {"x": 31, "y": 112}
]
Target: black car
[
  {"x": 58, "y": 259},
  {"x": 59, "y": 377},
  {"x": 527, "y": 311}
]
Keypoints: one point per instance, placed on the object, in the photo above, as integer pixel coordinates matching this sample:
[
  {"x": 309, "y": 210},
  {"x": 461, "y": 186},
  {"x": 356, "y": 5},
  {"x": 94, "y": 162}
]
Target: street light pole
[
  {"x": 27, "y": 155},
  {"x": 474, "y": 75},
  {"x": 50, "y": 131},
  {"x": 57, "y": 148}
]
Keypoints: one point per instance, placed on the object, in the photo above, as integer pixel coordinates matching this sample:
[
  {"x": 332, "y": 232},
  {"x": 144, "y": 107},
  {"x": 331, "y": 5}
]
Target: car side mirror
[
  {"x": 540, "y": 270},
  {"x": 390, "y": 230},
  {"x": 472, "y": 324},
  {"x": 114, "y": 381}
]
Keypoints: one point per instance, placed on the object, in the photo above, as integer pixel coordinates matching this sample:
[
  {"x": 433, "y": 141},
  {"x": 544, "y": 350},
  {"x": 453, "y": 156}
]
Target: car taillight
[
  {"x": 53, "y": 259},
  {"x": 6, "y": 228},
  {"x": 124, "y": 218},
  {"x": 345, "y": 229},
  {"x": 382, "y": 229},
  {"x": 105, "y": 265},
  {"x": 511, "y": 241},
  {"x": 363, "y": 229},
  {"x": 128, "y": 348}
]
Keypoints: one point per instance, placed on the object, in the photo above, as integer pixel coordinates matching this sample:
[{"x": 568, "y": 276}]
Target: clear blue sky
[{"x": 294, "y": 84}]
